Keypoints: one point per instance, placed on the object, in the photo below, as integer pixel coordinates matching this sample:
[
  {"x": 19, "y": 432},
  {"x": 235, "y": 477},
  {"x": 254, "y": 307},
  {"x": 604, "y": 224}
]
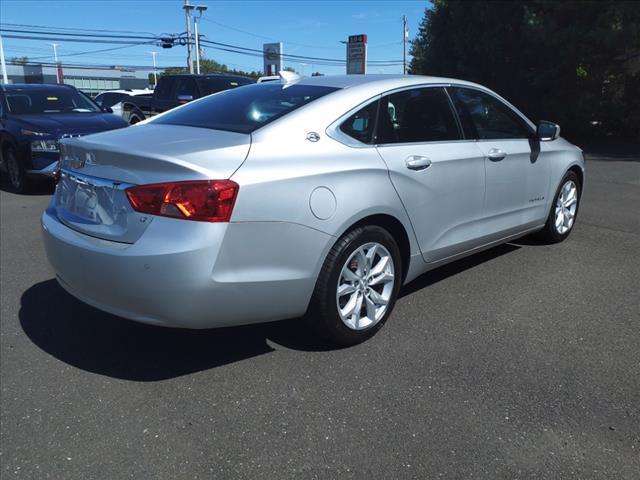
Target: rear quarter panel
[{"x": 324, "y": 185}]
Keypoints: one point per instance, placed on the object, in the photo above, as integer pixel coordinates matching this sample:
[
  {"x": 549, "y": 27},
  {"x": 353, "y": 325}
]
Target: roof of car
[
  {"x": 346, "y": 81},
  {"x": 34, "y": 86}
]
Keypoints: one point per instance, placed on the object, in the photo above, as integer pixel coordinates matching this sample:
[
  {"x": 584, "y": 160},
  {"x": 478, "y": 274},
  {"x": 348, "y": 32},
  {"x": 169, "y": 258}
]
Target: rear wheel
[
  {"x": 564, "y": 210},
  {"x": 357, "y": 286}
]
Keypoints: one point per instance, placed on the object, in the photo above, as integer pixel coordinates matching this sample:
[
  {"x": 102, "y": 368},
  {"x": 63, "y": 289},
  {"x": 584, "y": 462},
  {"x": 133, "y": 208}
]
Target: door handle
[
  {"x": 417, "y": 162},
  {"x": 495, "y": 154}
]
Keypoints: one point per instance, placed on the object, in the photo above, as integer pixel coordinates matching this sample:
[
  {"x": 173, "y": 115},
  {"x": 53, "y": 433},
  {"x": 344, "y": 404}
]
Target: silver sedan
[{"x": 315, "y": 198}]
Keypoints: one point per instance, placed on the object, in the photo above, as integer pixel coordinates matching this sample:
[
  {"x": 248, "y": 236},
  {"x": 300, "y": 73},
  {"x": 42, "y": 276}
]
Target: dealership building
[{"x": 90, "y": 79}]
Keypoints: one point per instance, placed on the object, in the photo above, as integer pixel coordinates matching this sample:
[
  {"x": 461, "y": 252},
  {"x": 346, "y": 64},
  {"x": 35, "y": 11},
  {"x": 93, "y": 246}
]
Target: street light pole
[
  {"x": 155, "y": 75},
  {"x": 195, "y": 23},
  {"x": 55, "y": 59},
  {"x": 200, "y": 9},
  {"x": 405, "y": 35},
  {"x": 5, "y": 78}
]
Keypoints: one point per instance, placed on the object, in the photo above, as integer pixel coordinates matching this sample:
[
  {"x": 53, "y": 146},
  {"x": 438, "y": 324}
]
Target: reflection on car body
[{"x": 319, "y": 197}]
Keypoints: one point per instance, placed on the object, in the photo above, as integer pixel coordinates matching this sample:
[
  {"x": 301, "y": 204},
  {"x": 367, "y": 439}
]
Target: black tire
[
  {"x": 131, "y": 113},
  {"x": 15, "y": 171},
  {"x": 550, "y": 234},
  {"x": 322, "y": 315}
]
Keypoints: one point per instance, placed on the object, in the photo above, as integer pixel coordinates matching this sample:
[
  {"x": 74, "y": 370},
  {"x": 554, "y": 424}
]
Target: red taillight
[{"x": 203, "y": 200}]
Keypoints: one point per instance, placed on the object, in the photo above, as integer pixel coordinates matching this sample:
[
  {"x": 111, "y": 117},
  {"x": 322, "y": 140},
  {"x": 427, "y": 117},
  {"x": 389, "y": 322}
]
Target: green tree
[
  {"x": 19, "y": 60},
  {"x": 574, "y": 62}
]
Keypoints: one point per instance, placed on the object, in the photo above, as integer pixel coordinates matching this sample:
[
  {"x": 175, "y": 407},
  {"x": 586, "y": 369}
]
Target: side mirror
[
  {"x": 185, "y": 98},
  {"x": 106, "y": 109},
  {"x": 547, "y": 131}
]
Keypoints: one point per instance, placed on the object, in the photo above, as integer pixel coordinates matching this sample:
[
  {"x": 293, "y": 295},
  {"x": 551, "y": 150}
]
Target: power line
[
  {"x": 305, "y": 57},
  {"x": 67, "y": 34},
  {"x": 96, "y": 51},
  {"x": 269, "y": 38},
  {"x": 76, "y": 40},
  {"x": 72, "y": 28},
  {"x": 126, "y": 40}
]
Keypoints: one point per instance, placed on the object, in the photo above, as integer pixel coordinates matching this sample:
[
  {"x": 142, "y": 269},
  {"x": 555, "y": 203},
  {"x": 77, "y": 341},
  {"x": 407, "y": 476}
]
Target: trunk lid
[{"x": 97, "y": 169}]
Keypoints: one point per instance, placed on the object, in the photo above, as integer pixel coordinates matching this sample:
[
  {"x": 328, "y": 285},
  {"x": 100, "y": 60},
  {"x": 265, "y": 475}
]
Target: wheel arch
[
  {"x": 130, "y": 110},
  {"x": 395, "y": 228},
  {"x": 579, "y": 173},
  {"x": 5, "y": 142}
]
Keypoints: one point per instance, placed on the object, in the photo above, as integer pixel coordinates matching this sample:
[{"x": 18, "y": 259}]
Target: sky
[{"x": 310, "y": 28}]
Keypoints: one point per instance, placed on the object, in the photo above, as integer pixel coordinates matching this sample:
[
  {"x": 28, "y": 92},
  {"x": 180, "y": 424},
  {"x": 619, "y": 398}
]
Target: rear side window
[
  {"x": 361, "y": 124},
  {"x": 417, "y": 115},
  {"x": 487, "y": 118},
  {"x": 244, "y": 109},
  {"x": 209, "y": 85},
  {"x": 185, "y": 87}
]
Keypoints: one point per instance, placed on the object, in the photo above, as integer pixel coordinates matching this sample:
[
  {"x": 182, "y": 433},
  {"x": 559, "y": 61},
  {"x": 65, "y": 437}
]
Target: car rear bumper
[{"x": 191, "y": 274}]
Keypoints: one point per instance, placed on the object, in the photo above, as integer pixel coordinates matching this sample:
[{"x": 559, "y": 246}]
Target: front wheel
[
  {"x": 564, "y": 210},
  {"x": 357, "y": 286},
  {"x": 15, "y": 171}
]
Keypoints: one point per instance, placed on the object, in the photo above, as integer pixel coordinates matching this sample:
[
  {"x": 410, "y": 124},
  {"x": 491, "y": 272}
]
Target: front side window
[
  {"x": 417, "y": 115},
  {"x": 24, "y": 101},
  {"x": 361, "y": 124},
  {"x": 163, "y": 88},
  {"x": 245, "y": 109},
  {"x": 487, "y": 117}
]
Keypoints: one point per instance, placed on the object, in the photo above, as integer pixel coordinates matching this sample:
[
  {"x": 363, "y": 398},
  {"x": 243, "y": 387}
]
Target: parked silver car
[{"x": 319, "y": 196}]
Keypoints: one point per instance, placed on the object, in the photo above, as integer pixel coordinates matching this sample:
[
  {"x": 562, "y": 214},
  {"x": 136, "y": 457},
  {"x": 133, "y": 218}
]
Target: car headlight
[{"x": 44, "y": 146}]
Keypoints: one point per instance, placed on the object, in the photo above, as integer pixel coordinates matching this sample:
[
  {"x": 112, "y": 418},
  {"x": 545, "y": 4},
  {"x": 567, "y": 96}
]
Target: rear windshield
[
  {"x": 245, "y": 109},
  {"x": 59, "y": 100},
  {"x": 209, "y": 85}
]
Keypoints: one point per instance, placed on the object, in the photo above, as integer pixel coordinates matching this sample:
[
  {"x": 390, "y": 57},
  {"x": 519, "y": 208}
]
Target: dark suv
[
  {"x": 175, "y": 90},
  {"x": 33, "y": 117}
]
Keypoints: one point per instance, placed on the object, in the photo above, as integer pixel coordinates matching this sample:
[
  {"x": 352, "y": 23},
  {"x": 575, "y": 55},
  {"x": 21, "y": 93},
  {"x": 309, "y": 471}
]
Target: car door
[
  {"x": 517, "y": 172},
  {"x": 438, "y": 174}
]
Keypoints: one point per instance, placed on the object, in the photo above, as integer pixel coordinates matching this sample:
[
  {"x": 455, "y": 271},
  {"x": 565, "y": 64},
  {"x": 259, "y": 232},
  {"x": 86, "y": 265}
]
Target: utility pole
[
  {"x": 155, "y": 74},
  {"x": 187, "y": 11},
  {"x": 55, "y": 59},
  {"x": 405, "y": 37},
  {"x": 5, "y": 78}
]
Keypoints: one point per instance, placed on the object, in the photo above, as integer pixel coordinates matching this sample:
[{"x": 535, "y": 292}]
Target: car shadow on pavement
[
  {"x": 453, "y": 268},
  {"x": 99, "y": 342}
]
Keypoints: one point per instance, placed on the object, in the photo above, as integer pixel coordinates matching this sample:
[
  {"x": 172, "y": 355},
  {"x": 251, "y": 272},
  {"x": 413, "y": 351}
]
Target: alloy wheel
[
  {"x": 365, "y": 286},
  {"x": 566, "y": 207}
]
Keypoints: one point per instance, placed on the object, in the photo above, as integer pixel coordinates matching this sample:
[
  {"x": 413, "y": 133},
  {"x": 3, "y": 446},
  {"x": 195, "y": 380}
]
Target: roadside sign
[
  {"x": 272, "y": 56},
  {"x": 357, "y": 55}
]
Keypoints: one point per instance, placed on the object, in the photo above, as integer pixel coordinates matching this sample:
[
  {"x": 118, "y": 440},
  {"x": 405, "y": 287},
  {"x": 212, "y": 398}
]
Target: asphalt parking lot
[{"x": 520, "y": 362}]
